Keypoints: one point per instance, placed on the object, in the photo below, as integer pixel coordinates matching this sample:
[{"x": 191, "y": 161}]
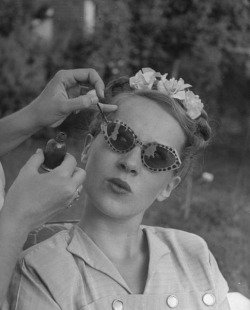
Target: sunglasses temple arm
[{"x": 102, "y": 114}]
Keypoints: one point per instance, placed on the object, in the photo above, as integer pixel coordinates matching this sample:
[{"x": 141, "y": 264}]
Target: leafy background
[{"x": 207, "y": 43}]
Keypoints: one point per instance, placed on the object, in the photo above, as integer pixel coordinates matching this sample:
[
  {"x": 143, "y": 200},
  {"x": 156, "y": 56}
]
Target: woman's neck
[{"x": 119, "y": 239}]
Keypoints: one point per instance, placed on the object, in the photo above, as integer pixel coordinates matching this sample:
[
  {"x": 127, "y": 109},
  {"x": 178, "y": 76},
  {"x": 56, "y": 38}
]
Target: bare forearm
[
  {"x": 16, "y": 128},
  {"x": 11, "y": 243}
]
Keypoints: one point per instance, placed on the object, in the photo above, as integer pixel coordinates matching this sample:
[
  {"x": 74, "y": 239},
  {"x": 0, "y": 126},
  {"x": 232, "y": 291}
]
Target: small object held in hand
[{"x": 54, "y": 152}]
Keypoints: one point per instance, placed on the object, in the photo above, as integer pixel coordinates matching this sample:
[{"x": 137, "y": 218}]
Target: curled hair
[{"x": 197, "y": 131}]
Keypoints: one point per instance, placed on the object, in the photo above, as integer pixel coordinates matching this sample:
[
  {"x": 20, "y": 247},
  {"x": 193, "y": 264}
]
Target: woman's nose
[{"x": 131, "y": 161}]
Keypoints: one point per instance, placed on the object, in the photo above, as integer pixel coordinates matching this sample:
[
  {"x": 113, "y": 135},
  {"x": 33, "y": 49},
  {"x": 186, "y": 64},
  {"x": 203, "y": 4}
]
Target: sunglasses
[{"x": 121, "y": 139}]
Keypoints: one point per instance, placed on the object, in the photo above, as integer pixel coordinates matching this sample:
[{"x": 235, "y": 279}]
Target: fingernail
[
  {"x": 102, "y": 93},
  {"x": 38, "y": 151},
  {"x": 94, "y": 99}
]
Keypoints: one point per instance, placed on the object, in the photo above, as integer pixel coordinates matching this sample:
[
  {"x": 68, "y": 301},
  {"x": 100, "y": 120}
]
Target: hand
[
  {"x": 34, "y": 198},
  {"x": 53, "y": 105}
]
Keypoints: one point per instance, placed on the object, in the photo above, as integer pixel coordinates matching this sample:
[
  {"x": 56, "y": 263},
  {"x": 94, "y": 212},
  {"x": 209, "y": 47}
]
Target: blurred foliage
[
  {"x": 207, "y": 43},
  {"x": 22, "y": 71}
]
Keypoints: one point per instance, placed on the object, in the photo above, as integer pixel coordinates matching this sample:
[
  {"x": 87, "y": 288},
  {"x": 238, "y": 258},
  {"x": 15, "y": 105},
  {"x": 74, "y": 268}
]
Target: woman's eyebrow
[{"x": 142, "y": 140}]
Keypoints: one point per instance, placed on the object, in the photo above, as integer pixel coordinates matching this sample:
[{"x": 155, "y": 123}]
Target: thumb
[{"x": 35, "y": 160}]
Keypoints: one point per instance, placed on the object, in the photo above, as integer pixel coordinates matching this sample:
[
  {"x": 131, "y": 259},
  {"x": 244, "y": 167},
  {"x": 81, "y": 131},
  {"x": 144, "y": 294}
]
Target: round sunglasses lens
[
  {"x": 119, "y": 136},
  {"x": 158, "y": 157}
]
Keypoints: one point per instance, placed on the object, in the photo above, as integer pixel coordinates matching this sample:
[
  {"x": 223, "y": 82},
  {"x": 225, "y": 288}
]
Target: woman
[{"x": 134, "y": 156}]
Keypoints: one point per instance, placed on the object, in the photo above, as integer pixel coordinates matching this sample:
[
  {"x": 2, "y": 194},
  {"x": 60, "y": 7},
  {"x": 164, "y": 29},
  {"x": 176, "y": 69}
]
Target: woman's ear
[
  {"x": 165, "y": 193},
  {"x": 87, "y": 143}
]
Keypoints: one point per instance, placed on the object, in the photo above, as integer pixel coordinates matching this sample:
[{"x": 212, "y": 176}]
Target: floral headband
[{"x": 147, "y": 79}]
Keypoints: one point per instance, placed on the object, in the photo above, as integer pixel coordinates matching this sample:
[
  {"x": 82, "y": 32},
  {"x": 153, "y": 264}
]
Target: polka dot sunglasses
[{"x": 121, "y": 139}]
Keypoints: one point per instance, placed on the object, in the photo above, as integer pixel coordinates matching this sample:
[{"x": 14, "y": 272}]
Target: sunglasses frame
[{"x": 137, "y": 142}]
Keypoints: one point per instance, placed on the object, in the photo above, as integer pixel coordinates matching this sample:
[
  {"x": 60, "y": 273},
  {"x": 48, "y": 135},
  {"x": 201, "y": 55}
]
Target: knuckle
[
  {"x": 92, "y": 72},
  {"x": 81, "y": 170},
  {"x": 61, "y": 174},
  {"x": 58, "y": 174},
  {"x": 64, "y": 107},
  {"x": 82, "y": 173},
  {"x": 72, "y": 158},
  {"x": 69, "y": 190},
  {"x": 60, "y": 74}
]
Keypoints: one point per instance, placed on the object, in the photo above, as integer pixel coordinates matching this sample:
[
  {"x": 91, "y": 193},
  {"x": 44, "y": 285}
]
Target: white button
[
  {"x": 117, "y": 304},
  {"x": 208, "y": 299},
  {"x": 172, "y": 301}
]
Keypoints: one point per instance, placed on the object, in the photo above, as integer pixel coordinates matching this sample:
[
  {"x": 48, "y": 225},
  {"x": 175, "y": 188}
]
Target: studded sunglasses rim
[{"x": 174, "y": 166}]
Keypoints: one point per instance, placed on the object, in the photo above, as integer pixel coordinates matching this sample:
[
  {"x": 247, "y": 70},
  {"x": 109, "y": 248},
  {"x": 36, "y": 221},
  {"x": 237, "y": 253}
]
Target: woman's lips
[{"x": 119, "y": 186}]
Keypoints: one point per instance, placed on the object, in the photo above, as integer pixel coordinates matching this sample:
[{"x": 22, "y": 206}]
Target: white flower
[
  {"x": 147, "y": 77},
  {"x": 144, "y": 79},
  {"x": 172, "y": 87},
  {"x": 193, "y": 104}
]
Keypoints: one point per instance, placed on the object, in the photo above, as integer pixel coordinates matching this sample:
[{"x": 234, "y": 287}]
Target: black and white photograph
[{"x": 124, "y": 155}]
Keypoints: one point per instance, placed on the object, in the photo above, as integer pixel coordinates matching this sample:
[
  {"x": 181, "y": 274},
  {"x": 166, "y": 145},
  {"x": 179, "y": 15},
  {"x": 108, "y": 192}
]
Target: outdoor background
[{"x": 207, "y": 43}]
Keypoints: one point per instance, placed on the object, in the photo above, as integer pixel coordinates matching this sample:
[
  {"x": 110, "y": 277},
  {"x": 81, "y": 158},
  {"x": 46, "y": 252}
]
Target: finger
[
  {"x": 68, "y": 165},
  {"x": 35, "y": 160},
  {"x": 106, "y": 107},
  {"x": 72, "y": 77},
  {"x": 78, "y": 178},
  {"x": 81, "y": 103},
  {"x": 88, "y": 102}
]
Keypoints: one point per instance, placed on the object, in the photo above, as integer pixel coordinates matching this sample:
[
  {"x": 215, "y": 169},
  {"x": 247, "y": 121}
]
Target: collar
[
  {"x": 157, "y": 248},
  {"x": 84, "y": 247}
]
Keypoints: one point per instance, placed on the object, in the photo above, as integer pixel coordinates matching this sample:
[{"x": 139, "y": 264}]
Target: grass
[{"x": 218, "y": 211}]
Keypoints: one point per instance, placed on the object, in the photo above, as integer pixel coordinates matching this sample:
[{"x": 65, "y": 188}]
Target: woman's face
[{"x": 107, "y": 170}]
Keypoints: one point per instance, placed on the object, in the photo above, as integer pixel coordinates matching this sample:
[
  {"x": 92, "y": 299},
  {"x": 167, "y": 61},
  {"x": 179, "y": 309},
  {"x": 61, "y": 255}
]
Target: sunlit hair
[{"x": 197, "y": 132}]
